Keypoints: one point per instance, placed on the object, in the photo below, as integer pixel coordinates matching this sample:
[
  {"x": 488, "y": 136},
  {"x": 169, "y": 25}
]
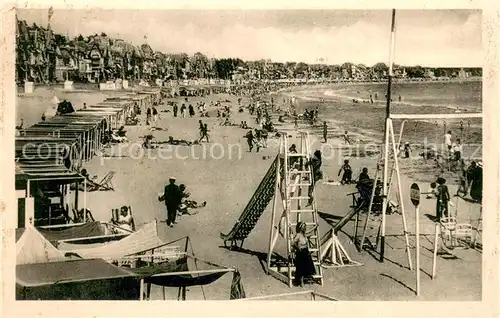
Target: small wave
[{"x": 457, "y": 108}]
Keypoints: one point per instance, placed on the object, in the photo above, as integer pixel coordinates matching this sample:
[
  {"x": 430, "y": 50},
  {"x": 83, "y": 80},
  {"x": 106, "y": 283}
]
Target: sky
[{"x": 434, "y": 38}]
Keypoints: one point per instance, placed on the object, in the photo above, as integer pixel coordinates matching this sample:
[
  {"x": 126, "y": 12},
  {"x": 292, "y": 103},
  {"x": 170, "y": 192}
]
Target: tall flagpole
[{"x": 386, "y": 137}]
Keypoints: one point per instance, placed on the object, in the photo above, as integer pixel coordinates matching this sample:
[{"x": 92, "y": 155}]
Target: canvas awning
[
  {"x": 32, "y": 275},
  {"x": 76, "y": 280},
  {"x": 89, "y": 229},
  {"x": 143, "y": 239},
  {"x": 90, "y": 279},
  {"x": 33, "y": 248},
  {"x": 178, "y": 274}
]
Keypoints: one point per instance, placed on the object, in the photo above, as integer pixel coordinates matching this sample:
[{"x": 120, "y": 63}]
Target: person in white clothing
[
  {"x": 447, "y": 141},
  {"x": 125, "y": 220},
  {"x": 457, "y": 150}
]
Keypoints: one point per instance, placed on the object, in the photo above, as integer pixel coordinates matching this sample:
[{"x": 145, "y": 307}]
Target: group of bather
[
  {"x": 188, "y": 109},
  {"x": 177, "y": 202}
]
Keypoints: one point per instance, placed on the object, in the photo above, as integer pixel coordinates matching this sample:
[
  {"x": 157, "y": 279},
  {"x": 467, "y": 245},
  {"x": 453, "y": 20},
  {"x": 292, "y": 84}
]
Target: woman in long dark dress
[
  {"x": 304, "y": 265},
  {"x": 475, "y": 176}
]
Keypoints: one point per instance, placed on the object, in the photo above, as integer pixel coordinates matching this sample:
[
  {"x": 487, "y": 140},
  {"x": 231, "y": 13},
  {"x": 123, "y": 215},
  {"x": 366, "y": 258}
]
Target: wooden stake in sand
[
  {"x": 434, "y": 254},
  {"x": 415, "y": 199}
]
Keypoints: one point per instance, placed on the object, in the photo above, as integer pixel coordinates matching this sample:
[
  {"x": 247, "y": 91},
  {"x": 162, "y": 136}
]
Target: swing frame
[{"x": 389, "y": 133}]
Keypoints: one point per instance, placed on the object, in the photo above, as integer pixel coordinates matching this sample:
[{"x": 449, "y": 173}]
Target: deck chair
[
  {"x": 79, "y": 215},
  {"x": 105, "y": 184},
  {"x": 115, "y": 215}
]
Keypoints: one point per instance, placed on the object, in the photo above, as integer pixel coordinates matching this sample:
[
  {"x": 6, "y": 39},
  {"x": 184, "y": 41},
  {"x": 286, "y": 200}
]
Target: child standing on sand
[
  {"x": 346, "y": 138},
  {"x": 347, "y": 176},
  {"x": 443, "y": 198},
  {"x": 155, "y": 114}
]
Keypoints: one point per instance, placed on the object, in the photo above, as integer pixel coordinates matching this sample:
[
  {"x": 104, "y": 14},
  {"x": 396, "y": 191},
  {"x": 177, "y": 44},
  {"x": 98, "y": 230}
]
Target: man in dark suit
[{"x": 172, "y": 198}]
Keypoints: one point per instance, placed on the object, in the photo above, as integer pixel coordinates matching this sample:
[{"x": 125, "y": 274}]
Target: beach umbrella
[{"x": 55, "y": 100}]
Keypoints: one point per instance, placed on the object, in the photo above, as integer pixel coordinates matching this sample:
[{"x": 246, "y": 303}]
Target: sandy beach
[{"x": 225, "y": 174}]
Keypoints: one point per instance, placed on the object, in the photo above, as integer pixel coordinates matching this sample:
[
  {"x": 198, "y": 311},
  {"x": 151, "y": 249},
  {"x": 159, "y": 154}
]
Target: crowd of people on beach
[{"x": 178, "y": 201}]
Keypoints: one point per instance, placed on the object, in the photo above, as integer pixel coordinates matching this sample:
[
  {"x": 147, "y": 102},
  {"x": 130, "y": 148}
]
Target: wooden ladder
[{"x": 297, "y": 206}]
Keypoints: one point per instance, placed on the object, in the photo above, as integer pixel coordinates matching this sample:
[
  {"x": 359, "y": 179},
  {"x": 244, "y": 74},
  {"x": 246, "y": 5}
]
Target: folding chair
[
  {"x": 106, "y": 183},
  {"x": 115, "y": 215},
  {"x": 79, "y": 216}
]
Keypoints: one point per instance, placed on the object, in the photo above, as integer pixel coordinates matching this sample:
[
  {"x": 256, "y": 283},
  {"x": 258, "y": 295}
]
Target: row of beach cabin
[{"x": 49, "y": 156}]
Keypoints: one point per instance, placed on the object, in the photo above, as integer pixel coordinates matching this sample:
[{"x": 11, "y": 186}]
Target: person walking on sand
[
  {"x": 191, "y": 110},
  {"x": 457, "y": 150},
  {"x": 204, "y": 133},
  {"x": 176, "y": 109},
  {"x": 325, "y": 131},
  {"x": 183, "y": 111},
  {"x": 155, "y": 114},
  {"x": 172, "y": 197},
  {"x": 200, "y": 127},
  {"x": 249, "y": 136},
  {"x": 258, "y": 139},
  {"x": 264, "y": 135},
  {"x": 447, "y": 141},
  {"x": 346, "y": 138},
  {"x": 148, "y": 115},
  {"x": 304, "y": 265}
]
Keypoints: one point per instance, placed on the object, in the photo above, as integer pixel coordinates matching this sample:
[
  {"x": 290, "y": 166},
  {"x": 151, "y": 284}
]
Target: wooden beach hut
[
  {"x": 111, "y": 115},
  {"x": 126, "y": 107},
  {"x": 86, "y": 131},
  {"x": 47, "y": 148},
  {"x": 153, "y": 96},
  {"x": 139, "y": 99},
  {"x": 124, "y": 102},
  {"x": 42, "y": 190},
  {"x": 118, "y": 119}
]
